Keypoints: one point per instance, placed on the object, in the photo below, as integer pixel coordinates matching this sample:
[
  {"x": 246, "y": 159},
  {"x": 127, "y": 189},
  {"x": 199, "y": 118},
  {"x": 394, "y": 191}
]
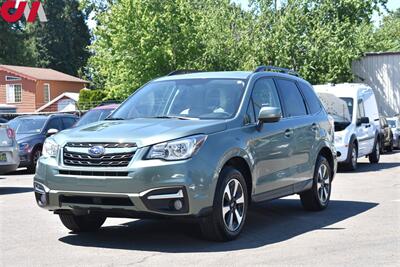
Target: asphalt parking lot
[{"x": 361, "y": 227}]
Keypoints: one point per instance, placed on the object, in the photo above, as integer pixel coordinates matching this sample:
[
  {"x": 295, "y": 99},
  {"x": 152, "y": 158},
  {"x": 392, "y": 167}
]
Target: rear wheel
[
  {"x": 375, "y": 155},
  {"x": 83, "y": 223},
  {"x": 317, "y": 198},
  {"x": 230, "y": 207}
]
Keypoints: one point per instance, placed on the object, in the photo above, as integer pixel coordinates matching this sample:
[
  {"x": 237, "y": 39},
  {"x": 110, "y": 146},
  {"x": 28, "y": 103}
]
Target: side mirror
[
  {"x": 362, "y": 120},
  {"x": 51, "y": 132},
  {"x": 268, "y": 115}
]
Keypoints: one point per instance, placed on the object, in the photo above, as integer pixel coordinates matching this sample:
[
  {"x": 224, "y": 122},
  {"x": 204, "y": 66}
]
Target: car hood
[
  {"x": 26, "y": 138},
  {"x": 143, "y": 132}
]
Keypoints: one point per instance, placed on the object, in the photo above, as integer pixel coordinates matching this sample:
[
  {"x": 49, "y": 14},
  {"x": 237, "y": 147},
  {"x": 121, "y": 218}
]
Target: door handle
[
  {"x": 288, "y": 132},
  {"x": 314, "y": 127}
]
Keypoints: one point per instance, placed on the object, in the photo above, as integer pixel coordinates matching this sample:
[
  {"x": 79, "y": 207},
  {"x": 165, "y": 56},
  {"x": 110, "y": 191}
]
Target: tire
[
  {"x": 375, "y": 155},
  {"x": 84, "y": 223},
  {"x": 351, "y": 163},
  {"x": 318, "y": 196},
  {"x": 36, "y": 153},
  {"x": 390, "y": 147},
  {"x": 224, "y": 223}
]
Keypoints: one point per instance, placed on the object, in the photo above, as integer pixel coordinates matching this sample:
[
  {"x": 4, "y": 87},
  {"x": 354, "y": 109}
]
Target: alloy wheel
[
  {"x": 323, "y": 183},
  {"x": 233, "y": 205}
]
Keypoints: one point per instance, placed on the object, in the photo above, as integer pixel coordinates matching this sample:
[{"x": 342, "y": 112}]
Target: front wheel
[
  {"x": 229, "y": 209},
  {"x": 375, "y": 155},
  {"x": 82, "y": 223},
  {"x": 317, "y": 198},
  {"x": 351, "y": 162}
]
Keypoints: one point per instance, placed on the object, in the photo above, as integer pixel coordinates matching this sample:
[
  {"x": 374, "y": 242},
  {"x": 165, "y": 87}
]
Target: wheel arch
[
  {"x": 241, "y": 164},
  {"x": 326, "y": 152}
]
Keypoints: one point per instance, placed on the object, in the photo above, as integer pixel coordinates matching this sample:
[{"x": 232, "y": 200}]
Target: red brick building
[{"x": 29, "y": 89}]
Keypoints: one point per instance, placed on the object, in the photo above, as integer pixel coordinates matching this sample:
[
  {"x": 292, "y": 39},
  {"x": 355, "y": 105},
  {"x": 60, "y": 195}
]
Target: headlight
[
  {"x": 23, "y": 147},
  {"x": 50, "y": 148},
  {"x": 178, "y": 149},
  {"x": 338, "y": 139}
]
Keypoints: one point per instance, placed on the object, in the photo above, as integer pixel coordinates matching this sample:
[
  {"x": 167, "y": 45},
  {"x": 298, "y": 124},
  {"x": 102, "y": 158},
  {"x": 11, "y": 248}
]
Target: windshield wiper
[
  {"x": 114, "y": 119},
  {"x": 174, "y": 117}
]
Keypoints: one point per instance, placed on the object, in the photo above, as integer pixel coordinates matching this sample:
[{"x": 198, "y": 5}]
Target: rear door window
[
  {"x": 293, "y": 101},
  {"x": 68, "y": 122},
  {"x": 313, "y": 102},
  {"x": 54, "y": 123}
]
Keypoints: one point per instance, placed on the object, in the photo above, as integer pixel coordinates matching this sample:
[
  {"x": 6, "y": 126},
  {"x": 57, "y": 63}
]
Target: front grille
[
  {"x": 93, "y": 173},
  {"x": 108, "y": 201},
  {"x": 81, "y": 159}
]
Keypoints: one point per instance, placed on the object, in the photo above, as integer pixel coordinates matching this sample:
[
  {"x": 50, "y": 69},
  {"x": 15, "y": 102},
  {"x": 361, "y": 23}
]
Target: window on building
[
  {"x": 46, "y": 93},
  {"x": 14, "y": 93},
  {"x": 12, "y": 78}
]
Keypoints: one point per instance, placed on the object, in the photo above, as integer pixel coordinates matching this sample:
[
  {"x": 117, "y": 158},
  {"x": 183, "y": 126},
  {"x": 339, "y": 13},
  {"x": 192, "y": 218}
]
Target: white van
[{"x": 357, "y": 136}]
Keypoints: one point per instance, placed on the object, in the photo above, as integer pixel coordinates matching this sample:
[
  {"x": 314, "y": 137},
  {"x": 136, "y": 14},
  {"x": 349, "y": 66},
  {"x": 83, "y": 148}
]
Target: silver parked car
[
  {"x": 9, "y": 158},
  {"x": 394, "y": 123}
]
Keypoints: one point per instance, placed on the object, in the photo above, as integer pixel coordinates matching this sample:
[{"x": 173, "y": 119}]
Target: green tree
[
  {"x": 13, "y": 43},
  {"x": 138, "y": 40},
  {"x": 62, "y": 42},
  {"x": 387, "y": 36}
]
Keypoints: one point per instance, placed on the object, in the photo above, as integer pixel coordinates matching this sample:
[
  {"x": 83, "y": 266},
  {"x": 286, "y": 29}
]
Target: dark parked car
[
  {"x": 31, "y": 131},
  {"x": 386, "y": 135},
  {"x": 96, "y": 114}
]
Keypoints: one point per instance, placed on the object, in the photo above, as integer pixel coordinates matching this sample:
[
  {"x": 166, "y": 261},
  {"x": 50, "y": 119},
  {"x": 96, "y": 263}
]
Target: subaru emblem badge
[{"x": 97, "y": 151}]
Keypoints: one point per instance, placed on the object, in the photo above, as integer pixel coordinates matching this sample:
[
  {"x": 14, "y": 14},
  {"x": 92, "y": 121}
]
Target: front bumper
[
  {"x": 342, "y": 152},
  {"x": 145, "y": 186}
]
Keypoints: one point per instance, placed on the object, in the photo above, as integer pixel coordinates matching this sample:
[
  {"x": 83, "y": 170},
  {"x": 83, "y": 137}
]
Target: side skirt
[{"x": 284, "y": 191}]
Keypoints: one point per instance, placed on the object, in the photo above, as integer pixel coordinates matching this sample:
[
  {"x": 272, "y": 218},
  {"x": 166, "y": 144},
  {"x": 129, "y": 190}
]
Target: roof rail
[
  {"x": 179, "y": 72},
  {"x": 277, "y": 69}
]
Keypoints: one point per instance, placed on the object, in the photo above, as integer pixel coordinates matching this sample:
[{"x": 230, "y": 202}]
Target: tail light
[{"x": 10, "y": 133}]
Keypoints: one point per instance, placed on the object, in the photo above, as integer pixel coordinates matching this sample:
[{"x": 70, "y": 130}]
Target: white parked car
[
  {"x": 9, "y": 158},
  {"x": 357, "y": 135},
  {"x": 394, "y": 123}
]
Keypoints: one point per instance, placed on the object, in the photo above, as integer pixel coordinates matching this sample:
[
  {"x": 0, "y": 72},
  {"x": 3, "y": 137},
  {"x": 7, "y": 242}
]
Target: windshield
[
  {"x": 392, "y": 123},
  {"x": 93, "y": 116},
  {"x": 194, "y": 98},
  {"x": 349, "y": 103},
  {"x": 27, "y": 126}
]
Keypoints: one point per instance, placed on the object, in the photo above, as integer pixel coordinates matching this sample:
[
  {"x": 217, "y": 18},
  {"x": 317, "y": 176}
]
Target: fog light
[
  {"x": 178, "y": 205},
  {"x": 43, "y": 200}
]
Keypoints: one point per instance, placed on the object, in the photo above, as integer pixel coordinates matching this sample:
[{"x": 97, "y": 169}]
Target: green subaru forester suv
[{"x": 198, "y": 145}]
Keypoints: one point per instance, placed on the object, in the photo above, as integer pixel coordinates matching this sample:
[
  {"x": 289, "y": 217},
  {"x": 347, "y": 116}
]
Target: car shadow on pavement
[
  {"x": 267, "y": 223},
  {"x": 21, "y": 171},
  {"x": 14, "y": 190},
  {"x": 368, "y": 167}
]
